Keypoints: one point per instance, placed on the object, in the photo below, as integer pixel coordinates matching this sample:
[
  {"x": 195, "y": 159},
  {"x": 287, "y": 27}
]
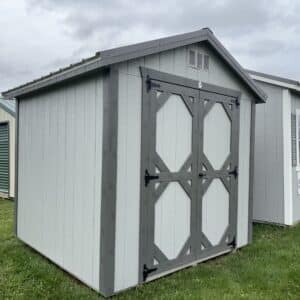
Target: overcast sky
[{"x": 39, "y": 36}]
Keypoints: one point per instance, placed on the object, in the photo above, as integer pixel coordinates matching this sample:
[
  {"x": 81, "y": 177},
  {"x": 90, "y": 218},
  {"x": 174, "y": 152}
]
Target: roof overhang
[
  {"x": 106, "y": 58},
  {"x": 275, "y": 80}
]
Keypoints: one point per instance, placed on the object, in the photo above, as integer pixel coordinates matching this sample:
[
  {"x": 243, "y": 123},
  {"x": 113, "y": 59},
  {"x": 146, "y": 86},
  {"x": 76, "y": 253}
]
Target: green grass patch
[{"x": 267, "y": 269}]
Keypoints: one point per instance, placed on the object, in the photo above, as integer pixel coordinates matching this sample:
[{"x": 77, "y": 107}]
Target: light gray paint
[
  {"x": 129, "y": 143},
  {"x": 59, "y": 178},
  {"x": 296, "y": 198},
  {"x": 268, "y": 203}
]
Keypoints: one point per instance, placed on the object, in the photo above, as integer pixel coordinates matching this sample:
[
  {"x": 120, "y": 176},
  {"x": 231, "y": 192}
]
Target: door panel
[{"x": 190, "y": 142}]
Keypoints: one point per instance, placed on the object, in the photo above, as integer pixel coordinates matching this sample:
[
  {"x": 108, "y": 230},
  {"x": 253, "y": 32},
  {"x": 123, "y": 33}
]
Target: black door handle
[
  {"x": 149, "y": 177},
  {"x": 234, "y": 172}
]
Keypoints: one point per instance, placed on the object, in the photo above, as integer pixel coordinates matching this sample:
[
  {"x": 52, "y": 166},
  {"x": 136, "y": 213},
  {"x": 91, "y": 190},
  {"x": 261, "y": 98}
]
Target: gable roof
[
  {"x": 275, "y": 80},
  {"x": 8, "y": 105},
  {"x": 106, "y": 58}
]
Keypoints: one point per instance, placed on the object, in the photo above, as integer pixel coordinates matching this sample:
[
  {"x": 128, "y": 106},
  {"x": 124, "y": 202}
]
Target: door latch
[
  {"x": 234, "y": 172},
  {"x": 149, "y": 177},
  {"x": 150, "y": 84},
  {"x": 201, "y": 175},
  {"x": 147, "y": 271}
]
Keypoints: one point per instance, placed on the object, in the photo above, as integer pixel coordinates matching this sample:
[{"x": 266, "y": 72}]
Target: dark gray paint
[
  {"x": 109, "y": 57},
  {"x": 176, "y": 84},
  {"x": 109, "y": 176}
]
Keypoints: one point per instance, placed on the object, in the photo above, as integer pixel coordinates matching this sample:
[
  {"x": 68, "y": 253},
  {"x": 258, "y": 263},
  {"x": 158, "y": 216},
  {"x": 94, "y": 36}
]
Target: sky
[{"x": 41, "y": 36}]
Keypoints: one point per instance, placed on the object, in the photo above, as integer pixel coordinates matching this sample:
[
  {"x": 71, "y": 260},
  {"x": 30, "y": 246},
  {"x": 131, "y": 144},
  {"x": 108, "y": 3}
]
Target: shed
[
  {"x": 277, "y": 154},
  {"x": 7, "y": 148},
  {"x": 137, "y": 162}
]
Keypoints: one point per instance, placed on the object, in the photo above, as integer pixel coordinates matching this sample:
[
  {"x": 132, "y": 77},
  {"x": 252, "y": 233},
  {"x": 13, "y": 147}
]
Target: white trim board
[
  {"x": 287, "y": 157},
  {"x": 276, "y": 82}
]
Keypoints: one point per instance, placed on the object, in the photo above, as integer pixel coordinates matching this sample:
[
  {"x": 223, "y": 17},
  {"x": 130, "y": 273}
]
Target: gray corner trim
[
  {"x": 9, "y": 111},
  {"x": 16, "y": 166},
  {"x": 190, "y": 83},
  {"x": 251, "y": 174},
  {"x": 113, "y": 56},
  {"x": 109, "y": 178}
]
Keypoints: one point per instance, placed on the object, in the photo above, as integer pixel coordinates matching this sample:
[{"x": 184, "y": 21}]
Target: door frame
[{"x": 148, "y": 78}]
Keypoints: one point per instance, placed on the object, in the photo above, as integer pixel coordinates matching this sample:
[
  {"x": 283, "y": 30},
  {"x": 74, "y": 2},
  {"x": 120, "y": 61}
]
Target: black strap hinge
[
  {"x": 150, "y": 84},
  {"x": 147, "y": 271},
  {"x": 149, "y": 177},
  {"x": 234, "y": 172},
  {"x": 232, "y": 243}
]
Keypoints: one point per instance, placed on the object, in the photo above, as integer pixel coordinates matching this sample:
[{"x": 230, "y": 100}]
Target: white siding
[
  {"x": 244, "y": 167},
  {"x": 129, "y": 143},
  {"x": 4, "y": 117},
  {"x": 60, "y": 165}
]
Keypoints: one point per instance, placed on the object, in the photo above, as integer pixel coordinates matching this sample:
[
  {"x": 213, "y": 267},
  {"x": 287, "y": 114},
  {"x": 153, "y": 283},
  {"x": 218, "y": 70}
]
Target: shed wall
[
  {"x": 268, "y": 205},
  {"x": 129, "y": 145},
  {"x": 296, "y": 197},
  {"x": 59, "y": 183},
  {"x": 5, "y": 116}
]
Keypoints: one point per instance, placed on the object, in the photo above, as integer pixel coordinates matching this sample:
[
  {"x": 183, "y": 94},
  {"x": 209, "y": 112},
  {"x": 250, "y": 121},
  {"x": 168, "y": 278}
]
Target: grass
[{"x": 267, "y": 269}]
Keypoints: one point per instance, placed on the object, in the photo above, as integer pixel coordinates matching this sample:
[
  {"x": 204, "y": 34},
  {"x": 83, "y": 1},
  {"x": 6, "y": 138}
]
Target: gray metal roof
[
  {"x": 106, "y": 58},
  {"x": 8, "y": 105},
  {"x": 274, "y": 77}
]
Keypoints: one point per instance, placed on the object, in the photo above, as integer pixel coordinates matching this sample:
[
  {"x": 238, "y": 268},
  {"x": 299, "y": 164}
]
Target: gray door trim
[
  {"x": 109, "y": 178},
  {"x": 8, "y": 149},
  {"x": 191, "y": 83},
  {"x": 232, "y": 160},
  {"x": 251, "y": 173},
  {"x": 16, "y": 167},
  {"x": 151, "y": 80}
]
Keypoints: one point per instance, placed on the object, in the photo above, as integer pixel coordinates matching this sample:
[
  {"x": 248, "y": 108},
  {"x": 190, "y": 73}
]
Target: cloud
[{"x": 47, "y": 34}]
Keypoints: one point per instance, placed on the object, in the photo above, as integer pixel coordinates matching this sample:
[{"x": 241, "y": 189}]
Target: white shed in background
[
  {"x": 138, "y": 161},
  {"x": 277, "y": 154},
  {"x": 7, "y": 148}
]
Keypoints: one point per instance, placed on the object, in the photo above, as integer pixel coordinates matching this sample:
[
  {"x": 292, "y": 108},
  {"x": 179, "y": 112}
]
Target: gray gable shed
[
  {"x": 277, "y": 154},
  {"x": 137, "y": 162}
]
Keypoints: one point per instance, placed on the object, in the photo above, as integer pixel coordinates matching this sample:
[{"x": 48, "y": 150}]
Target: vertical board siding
[
  {"x": 60, "y": 167},
  {"x": 268, "y": 204},
  {"x": 4, "y": 117},
  {"x": 129, "y": 146},
  {"x": 295, "y": 105}
]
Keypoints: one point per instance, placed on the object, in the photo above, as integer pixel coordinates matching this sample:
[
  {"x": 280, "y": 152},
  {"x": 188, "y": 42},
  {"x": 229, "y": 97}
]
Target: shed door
[
  {"x": 4, "y": 158},
  {"x": 190, "y": 145}
]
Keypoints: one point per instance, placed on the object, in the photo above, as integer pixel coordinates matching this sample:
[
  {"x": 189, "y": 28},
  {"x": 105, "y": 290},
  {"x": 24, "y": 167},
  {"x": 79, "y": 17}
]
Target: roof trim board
[
  {"x": 108, "y": 57},
  {"x": 275, "y": 80}
]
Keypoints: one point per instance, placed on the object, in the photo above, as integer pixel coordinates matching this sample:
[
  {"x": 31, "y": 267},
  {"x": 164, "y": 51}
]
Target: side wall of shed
[
  {"x": 129, "y": 147},
  {"x": 295, "y": 100},
  {"x": 59, "y": 178},
  {"x": 268, "y": 205},
  {"x": 6, "y": 117}
]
